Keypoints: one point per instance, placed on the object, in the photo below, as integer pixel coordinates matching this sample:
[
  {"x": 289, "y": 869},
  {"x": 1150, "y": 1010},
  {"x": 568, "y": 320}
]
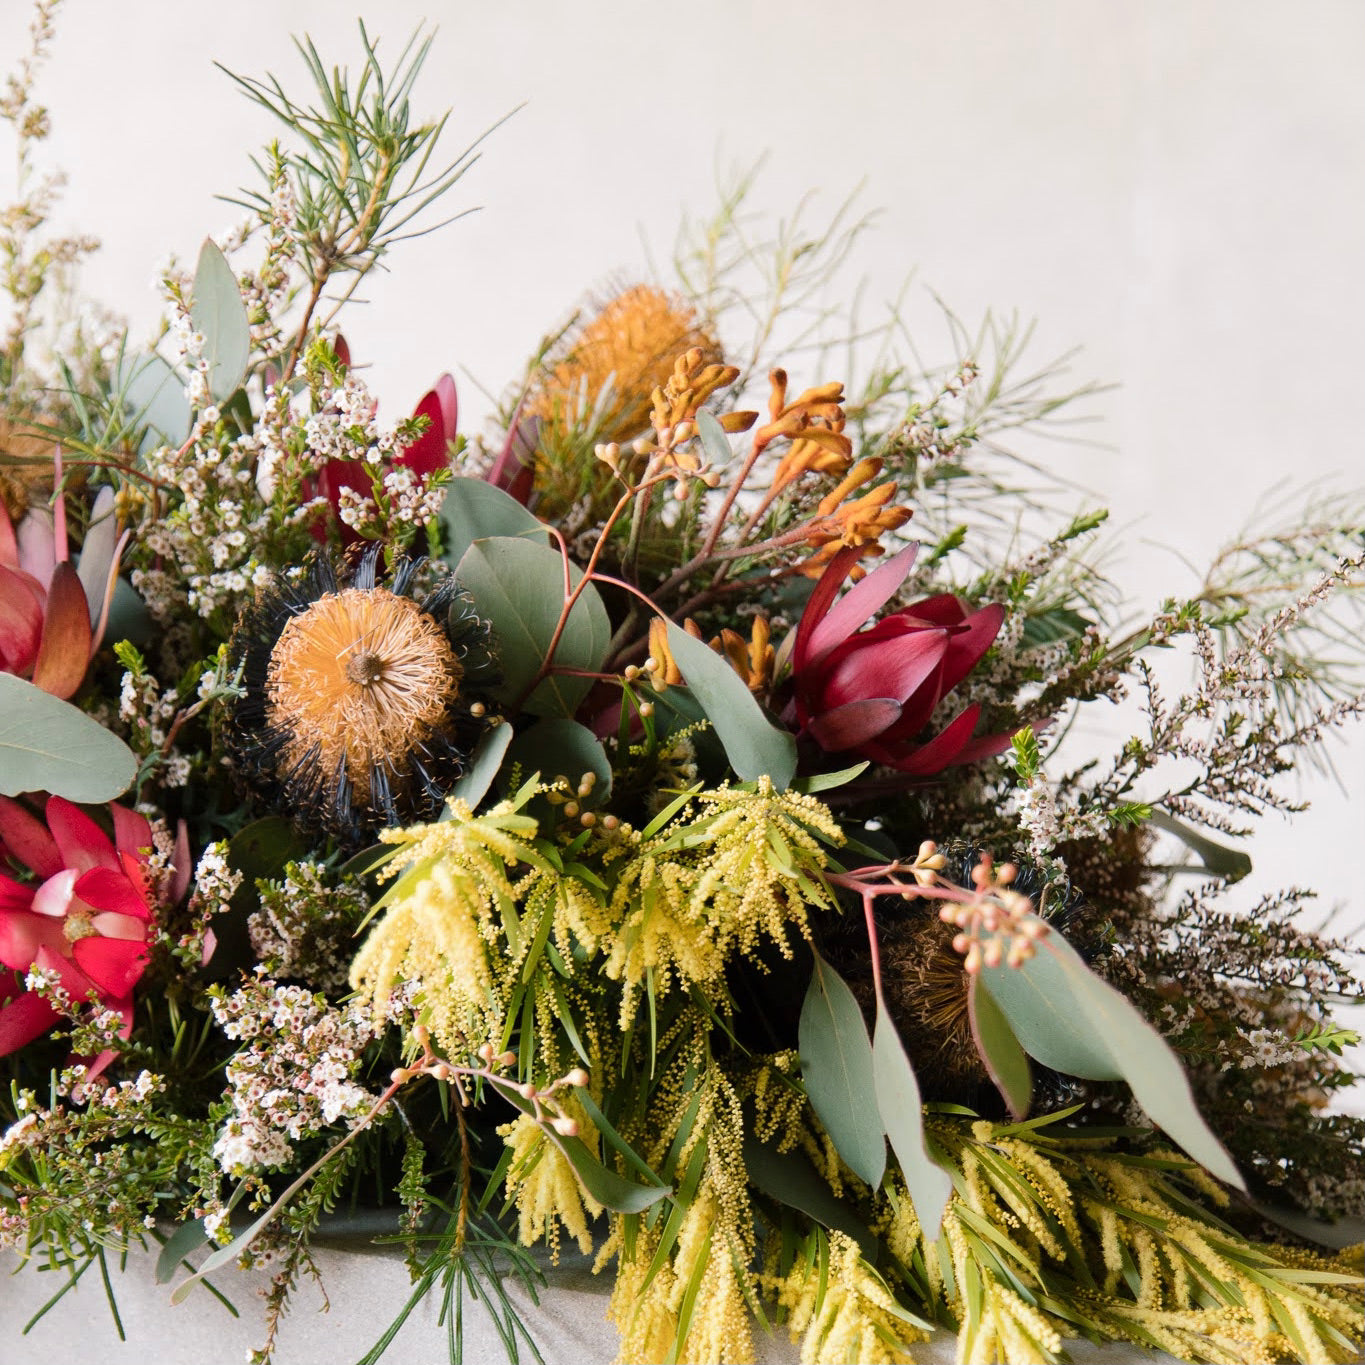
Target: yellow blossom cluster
[
  {"x": 747, "y": 865},
  {"x": 541, "y": 1181}
]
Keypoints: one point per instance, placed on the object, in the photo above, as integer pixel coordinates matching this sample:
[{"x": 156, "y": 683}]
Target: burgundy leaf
[
  {"x": 854, "y": 723},
  {"x": 859, "y": 604},
  {"x": 895, "y": 668}
]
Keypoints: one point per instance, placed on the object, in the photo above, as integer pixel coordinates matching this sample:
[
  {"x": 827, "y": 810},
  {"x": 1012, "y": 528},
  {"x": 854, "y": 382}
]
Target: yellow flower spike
[{"x": 547, "y": 1192}]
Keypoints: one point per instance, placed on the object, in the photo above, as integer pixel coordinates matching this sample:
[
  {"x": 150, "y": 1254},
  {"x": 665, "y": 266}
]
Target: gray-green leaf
[
  {"x": 1069, "y": 1019},
  {"x": 902, "y": 1115},
  {"x": 217, "y": 311},
  {"x": 153, "y": 395},
  {"x": 1218, "y": 858},
  {"x": 47, "y": 744},
  {"x": 483, "y": 768},
  {"x": 836, "y": 1064},
  {"x": 753, "y": 744},
  {"x": 518, "y": 587},
  {"x": 475, "y": 509},
  {"x": 1006, "y": 1062},
  {"x": 555, "y": 747}
]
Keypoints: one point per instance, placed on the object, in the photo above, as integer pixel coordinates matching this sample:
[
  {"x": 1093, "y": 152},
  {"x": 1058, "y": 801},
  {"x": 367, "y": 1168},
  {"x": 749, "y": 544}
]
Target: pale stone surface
[{"x": 366, "y": 1290}]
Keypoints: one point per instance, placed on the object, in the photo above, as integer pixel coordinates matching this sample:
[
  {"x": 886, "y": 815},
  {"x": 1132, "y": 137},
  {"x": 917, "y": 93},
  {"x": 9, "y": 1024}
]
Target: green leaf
[
  {"x": 610, "y": 1189},
  {"x": 154, "y": 396},
  {"x": 753, "y": 744},
  {"x": 713, "y": 438},
  {"x": 46, "y": 744},
  {"x": 483, "y": 768},
  {"x": 1222, "y": 861},
  {"x": 518, "y": 587},
  {"x": 823, "y": 782},
  {"x": 555, "y": 747},
  {"x": 790, "y": 1178},
  {"x": 1006, "y": 1062},
  {"x": 836, "y": 1064},
  {"x": 217, "y": 310},
  {"x": 188, "y": 1237},
  {"x": 1069, "y": 1019},
  {"x": 902, "y": 1115},
  {"x": 475, "y": 510}
]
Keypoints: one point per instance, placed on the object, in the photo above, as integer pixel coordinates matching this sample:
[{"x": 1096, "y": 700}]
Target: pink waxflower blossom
[
  {"x": 85, "y": 918},
  {"x": 873, "y": 692}
]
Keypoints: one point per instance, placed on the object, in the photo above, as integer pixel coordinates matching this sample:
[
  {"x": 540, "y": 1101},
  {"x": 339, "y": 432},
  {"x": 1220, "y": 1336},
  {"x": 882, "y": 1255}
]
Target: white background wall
[{"x": 1176, "y": 187}]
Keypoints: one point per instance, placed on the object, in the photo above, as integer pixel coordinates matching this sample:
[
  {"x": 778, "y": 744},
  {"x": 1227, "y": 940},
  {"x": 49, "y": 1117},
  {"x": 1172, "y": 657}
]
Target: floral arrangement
[{"x": 651, "y": 829}]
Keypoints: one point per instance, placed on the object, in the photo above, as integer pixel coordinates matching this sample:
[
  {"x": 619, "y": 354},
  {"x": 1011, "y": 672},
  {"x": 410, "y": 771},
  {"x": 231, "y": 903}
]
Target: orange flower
[{"x": 840, "y": 525}]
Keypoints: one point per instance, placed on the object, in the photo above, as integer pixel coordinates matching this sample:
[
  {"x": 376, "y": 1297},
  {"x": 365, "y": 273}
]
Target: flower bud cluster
[{"x": 996, "y": 925}]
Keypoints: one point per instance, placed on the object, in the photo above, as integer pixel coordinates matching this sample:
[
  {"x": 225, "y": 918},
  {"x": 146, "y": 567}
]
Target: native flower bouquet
[{"x": 652, "y": 828}]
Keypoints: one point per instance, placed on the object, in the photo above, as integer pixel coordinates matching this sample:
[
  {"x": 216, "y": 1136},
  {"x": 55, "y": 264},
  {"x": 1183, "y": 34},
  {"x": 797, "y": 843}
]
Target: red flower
[
  {"x": 428, "y": 453},
  {"x": 86, "y": 918},
  {"x": 873, "y": 692},
  {"x": 52, "y": 615}
]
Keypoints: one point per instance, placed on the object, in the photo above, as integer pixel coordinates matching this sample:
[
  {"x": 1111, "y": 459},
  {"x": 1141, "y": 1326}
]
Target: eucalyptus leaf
[
  {"x": 518, "y": 587},
  {"x": 902, "y": 1114},
  {"x": 1006, "y": 1062},
  {"x": 555, "y": 747},
  {"x": 790, "y": 1178},
  {"x": 153, "y": 395},
  {"x": 188, "y": 1237},
  {"x": 217, "y": 311},
  {"x": 475, "y": 510},
  {"x": 836, "y": 1064},
  {"x": 754, "y": 745},
  {"x": 483, "y": 768},
  {"x": 46, "y": 744},
  {"x": 1230, "y": 863},
  {"x": 713, "y": 438},
  {"x": 1068, "y": 1019}
]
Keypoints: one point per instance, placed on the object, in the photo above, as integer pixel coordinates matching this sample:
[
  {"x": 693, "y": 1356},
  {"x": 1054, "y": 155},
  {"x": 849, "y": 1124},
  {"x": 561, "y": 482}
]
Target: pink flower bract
[
  {"x": 86, "y": 917},
  {"x": 873, "y": 692}
]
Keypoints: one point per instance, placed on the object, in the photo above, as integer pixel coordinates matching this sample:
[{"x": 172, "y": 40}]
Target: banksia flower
[
  {"x": 630, "y": 344},
  {"x": 599, "y": 385},
  {"x": 362, "y": 705}
]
